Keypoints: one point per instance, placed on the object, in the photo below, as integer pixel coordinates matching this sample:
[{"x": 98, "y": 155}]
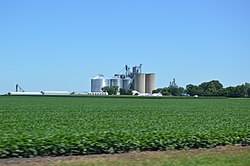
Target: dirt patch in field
[{"x": 135, "y": 156}]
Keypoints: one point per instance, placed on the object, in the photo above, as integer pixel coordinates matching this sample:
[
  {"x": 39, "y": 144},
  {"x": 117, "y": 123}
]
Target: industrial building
[
  {"x": 130, "y": 80},
  {"x": 20, "y": 92},
  {"x": 42, "y": 93}
]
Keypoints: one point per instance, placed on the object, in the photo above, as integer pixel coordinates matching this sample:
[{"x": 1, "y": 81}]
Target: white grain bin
[
  {"x": 116, "y": 82},
  {"x": 98, "y": 82},
  {"x": 127, "y": 82}
]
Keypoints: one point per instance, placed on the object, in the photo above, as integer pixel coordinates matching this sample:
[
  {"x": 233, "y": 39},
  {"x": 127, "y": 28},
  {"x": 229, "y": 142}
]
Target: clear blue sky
[{"x": 62, "y": 44}]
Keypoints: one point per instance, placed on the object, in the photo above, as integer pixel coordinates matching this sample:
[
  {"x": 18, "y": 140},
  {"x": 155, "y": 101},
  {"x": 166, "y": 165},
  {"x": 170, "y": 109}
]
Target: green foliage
[
  {"x": 111, "y": 90},
  {"x": 211, "y": 88},
  {"x": 125, "y": 92},
  {"x": 238, "y": 91},
  {"x": 193, "y": 90},
  {"x": 41, "y": 126},
  {"x": 174, "y": 91},
  {"x": 215, "y": 88}
]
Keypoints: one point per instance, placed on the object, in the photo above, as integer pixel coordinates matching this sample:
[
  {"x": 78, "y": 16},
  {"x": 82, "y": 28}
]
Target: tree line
[{"x": 211, "y": 88}]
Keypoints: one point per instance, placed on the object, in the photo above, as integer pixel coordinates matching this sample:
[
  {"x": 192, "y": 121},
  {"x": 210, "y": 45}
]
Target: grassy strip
[
  {"x": 226, "y": 158},
  {"x": 229, "y": 156}
]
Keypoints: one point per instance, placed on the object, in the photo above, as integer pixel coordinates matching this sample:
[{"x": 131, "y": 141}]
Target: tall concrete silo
[
  {"x": 98, "y": 82},
  {"x": 150, "y": 82},
  {"x": 139, "y": 83}
]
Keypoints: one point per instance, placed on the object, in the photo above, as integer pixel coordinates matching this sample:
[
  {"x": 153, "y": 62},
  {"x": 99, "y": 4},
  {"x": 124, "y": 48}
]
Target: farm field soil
[
  {"x": 59, "y": 126},
  {"x": 219, "y": 156}
]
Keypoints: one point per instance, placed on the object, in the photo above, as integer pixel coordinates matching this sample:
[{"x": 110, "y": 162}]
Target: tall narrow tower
[
  {"x": 150, "y": 82},
  {"x": 139, "y": 82}
]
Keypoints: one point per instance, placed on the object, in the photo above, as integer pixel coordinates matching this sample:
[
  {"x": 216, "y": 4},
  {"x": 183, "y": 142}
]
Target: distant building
[{"x": 130, "y": 80}]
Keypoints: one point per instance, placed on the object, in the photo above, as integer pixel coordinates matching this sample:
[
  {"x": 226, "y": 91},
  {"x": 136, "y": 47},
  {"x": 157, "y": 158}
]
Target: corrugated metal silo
[
  {"x": 150, "y": 82},
  {"x": 116, "y": 82},
  {"x": 139, "y": 83},
  {"x": 127, "y": 83},
  {"x": 98, "y": 82}
]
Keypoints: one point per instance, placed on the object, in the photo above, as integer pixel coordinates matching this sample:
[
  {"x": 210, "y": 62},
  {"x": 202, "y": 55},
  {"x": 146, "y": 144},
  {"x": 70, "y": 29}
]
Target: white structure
[
  {"x": 46, "y": 93},
  {"x": 145, "y": 94},
  {"x": 98, "y": 93},
  {"x": 157, "y": 94},
  {"x": 98, "y": 82},
  {"x": 25, "y": 93},
  {"x": 116, "y": 82},
  {"x": 56, "y": 93}
]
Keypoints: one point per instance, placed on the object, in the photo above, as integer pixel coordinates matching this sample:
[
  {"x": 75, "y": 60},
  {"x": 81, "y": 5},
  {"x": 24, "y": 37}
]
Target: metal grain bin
[
  {"x": 116, "y": 82},
  {"x": 98, "y": 82},
  {"x": 127, "y": 83}
]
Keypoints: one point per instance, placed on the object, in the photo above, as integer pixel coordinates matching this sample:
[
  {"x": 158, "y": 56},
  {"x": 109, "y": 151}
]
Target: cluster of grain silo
[
  {"x": 99, "y": 81},
  {"x": 145, "y": 83},
  {"x": 135, "y": 80}
]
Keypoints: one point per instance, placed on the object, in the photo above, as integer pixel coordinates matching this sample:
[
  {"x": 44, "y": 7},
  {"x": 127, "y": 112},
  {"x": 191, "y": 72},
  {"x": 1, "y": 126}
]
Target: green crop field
[{"x": 40, "y": 126}]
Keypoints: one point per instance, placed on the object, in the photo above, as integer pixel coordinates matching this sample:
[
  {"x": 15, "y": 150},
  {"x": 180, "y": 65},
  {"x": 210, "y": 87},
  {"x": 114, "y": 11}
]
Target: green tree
[
  {"x": 171, "y": 90},
  {"x": 247, "y": 89},
  {"x": 175, "y": 91},
  {"x": 111, "y": 90},
  {"x": 125, "y": 92},
  {"x": 215, "y": 88},
  {"x": 159, "y": 90},
  {"x": 229, "y": 92},
  {"x": 165, "y": 91},
  {"x": 193, "y": 90},
  {"x": 211, "y": 88},
  {"x": 238, "y": 91},
  {"x": 241, "y": 90}
]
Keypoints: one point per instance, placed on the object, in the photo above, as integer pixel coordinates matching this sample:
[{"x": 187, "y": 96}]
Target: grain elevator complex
[{"x": 130, "y": 80}]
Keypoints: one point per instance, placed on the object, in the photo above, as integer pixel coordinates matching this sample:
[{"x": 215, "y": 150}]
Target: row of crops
[{"x": 42, "y": 126}]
